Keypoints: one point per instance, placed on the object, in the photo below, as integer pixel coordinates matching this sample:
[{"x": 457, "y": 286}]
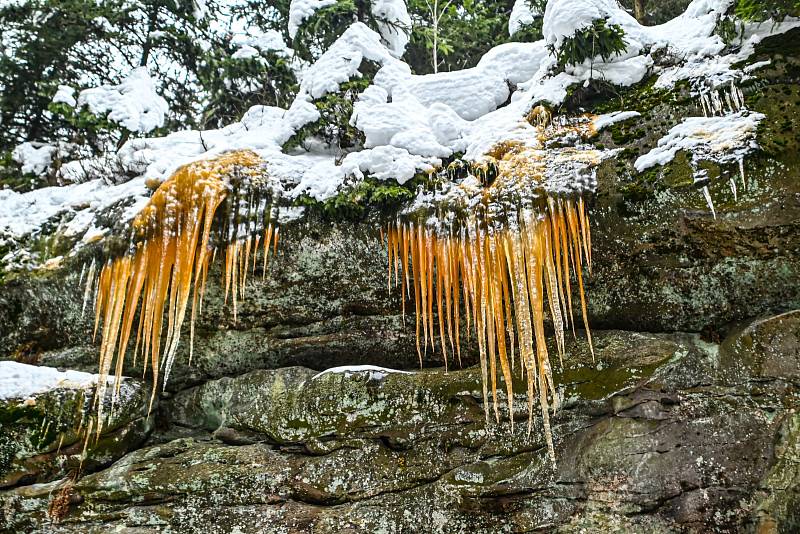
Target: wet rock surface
[
  {"x": 43, "y": 436},
  {"x": 660, "y": 433}
]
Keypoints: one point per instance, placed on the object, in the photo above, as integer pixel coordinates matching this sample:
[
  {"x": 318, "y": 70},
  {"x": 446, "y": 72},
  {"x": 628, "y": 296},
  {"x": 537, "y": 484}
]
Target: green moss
[
  {"x": 642, "y": 97},
  {"x": 364, "y": 198},
  {"x": 623, "y": 133}
]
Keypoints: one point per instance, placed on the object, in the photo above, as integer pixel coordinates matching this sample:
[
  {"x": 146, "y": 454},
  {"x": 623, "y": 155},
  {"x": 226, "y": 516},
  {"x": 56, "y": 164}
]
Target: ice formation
[
  {"x": 724, "y": 135},
  {"x": 410, "y": 122},
  {"x": 507, "y": 220},
  {"x": 168, "y": 265}
]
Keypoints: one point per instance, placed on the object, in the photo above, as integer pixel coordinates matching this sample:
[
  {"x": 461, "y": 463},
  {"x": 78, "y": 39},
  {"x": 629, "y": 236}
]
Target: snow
[
  {"x": 410, "y": 122},
  {"x": 342, "y": 60},
  {"x": 471, "y": 93},
  {"x": 387, "y": 163},
  {"x": 300, "y": 10},
  {"x": 624, "y": 70},
  {"x": 721, "y": 139},
  {"x": 245, "y": 52},
  {"x": 521, "y": 15},
  {"x": 607, "y": 119},
  {"x": 22, "y": 381},
  {"x": 393, "y": 20},
  {"x": 710, "y": 71},
  {"x": 134, "y": 103},
  {"x": 515, "y": 62},
  {"x": 562, "y": 18},
  {"x": 22, "y": 214},
  {"x": 268, "y": 41},
  {"x": 34, "y": 158},
  {"x": 394, "y": 24},
  {"x": 65, "y": 95},
  {"x": 375, "y": 372}
]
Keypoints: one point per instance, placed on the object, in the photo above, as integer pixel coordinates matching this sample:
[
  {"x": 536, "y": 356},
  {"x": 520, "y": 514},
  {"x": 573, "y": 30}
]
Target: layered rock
[
  {"x": 691, "y": 428},
  {"x": 52, "y": 433},
  {"x": 656, "y": 434}
]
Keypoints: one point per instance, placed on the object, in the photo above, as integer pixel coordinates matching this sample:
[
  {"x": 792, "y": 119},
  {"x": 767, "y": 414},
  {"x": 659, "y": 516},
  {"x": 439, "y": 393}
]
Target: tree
[
  {"x": 471, "y": 27},
  {"x": 436, "y": 15},
  {"x": 639, "y": 12},
  {"x": 192, "y": 54}
]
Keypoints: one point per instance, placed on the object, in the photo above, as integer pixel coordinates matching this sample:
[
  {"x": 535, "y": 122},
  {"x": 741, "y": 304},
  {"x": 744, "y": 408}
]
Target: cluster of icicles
[
  {"x": 168, "y": 268},
  {"x": 504, "y": 276},
  {"x": 501, "y": 275},
  {"x": 725, "y": 101}
]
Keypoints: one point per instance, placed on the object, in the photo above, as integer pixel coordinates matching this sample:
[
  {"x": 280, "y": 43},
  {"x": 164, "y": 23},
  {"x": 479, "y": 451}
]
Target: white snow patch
[
  {"x": 387, "y": 163},
  {"x": 521, "y": 15},
  {"x": 20, "y": 381},
  {"x": 711, "y": 70},
  {"x": 607, "y": 119},
  {"x": 245, "y": 52},
  {"x": 24, "y": 213},
  {"x": 341, "y": 61},
  {"x": 34, "y": 158},
  {"x": 376, "y": 373},
  {"x": 300, "y": 10},
  {"x": 134, "y": 103},
  {"x": 394, "y": 24},
  {"x": 65, "y": 95},
  {"x": 268, "y": 41},
  {"x": 562, "y": 18},
  {"x": 722, "y": 139}
]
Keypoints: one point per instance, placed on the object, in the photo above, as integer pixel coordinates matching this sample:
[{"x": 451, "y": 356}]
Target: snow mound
[
  {"x": 375, "y": 372},
  {"x": 65, "y": 95},
  {"x": 521, "y": 15},
  {"x": 394, "y": 24},
  {"x": 21, "y": 381},
  {"x": 34, "y": 159},
  {"x": 562, "y": 18},
  {"x": 300, "y": 10},
  {"x": 723, "y": 139},
  {"x": 134, "y": 103}
]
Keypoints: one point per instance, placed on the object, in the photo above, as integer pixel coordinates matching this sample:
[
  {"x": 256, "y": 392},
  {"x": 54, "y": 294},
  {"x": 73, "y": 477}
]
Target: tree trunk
[{"x": 638, "y": 11}]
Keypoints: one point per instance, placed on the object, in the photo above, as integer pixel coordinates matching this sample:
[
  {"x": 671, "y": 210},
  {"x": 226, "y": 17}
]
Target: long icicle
[
  {"x": 506, "y": 273},
  {"x": 167, "y": 269}
]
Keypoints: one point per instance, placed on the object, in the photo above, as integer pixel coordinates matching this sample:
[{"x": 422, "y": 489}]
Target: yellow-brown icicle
[
  {"x": 168, "y": 266},
  {"x": 509, "y": 275}
]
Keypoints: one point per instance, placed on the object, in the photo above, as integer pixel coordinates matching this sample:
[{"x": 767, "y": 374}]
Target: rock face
[
  {"x": 686, "y": 420},
  {"x": 665, "y": 433},
  {"x": 661, "y": 262},
  {"x": 43, "y": 436}
]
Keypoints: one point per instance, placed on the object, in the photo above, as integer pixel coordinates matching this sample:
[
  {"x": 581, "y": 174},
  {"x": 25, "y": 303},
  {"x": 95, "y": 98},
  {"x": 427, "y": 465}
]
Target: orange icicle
[
  {"x": 167, "y": 269},
  {"x": 506, "y": 275}
]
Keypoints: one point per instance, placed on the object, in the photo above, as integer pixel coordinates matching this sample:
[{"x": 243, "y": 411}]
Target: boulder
[{"x": 43, "y": 434}]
